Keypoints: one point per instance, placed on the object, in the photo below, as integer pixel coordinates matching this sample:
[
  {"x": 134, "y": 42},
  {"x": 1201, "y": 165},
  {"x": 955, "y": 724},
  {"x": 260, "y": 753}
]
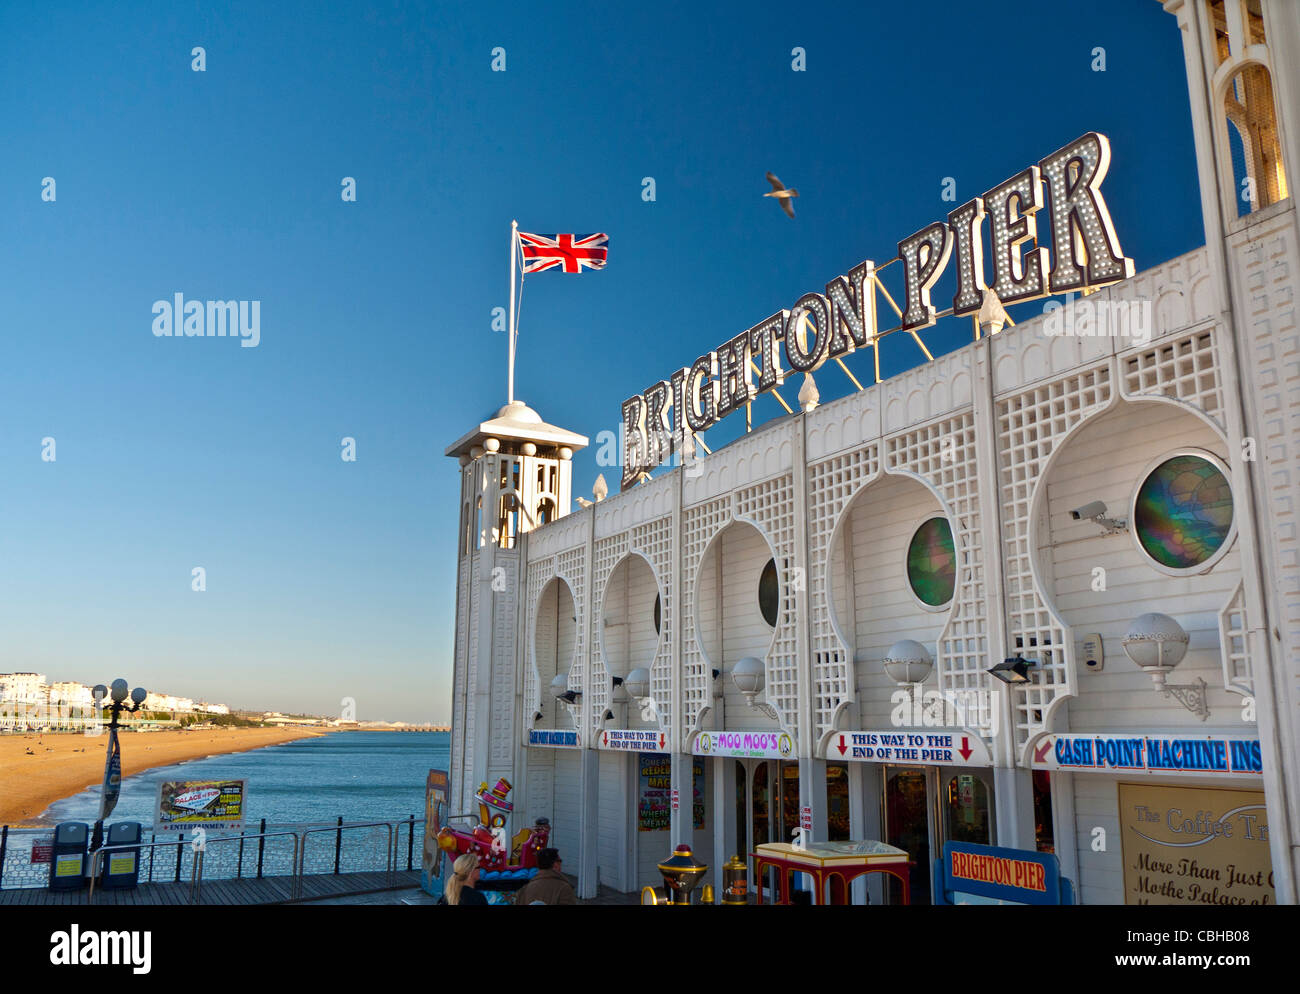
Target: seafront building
[
  {"x": 69, "y": 693},
  {"x": 796, "y": 632},
  {"x": 168, "y": 702},
  {"x": 24, "y": 688}
]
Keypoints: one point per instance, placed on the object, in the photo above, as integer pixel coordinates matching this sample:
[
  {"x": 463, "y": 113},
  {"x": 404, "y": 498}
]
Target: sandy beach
[{"x": 64, "y": 764}]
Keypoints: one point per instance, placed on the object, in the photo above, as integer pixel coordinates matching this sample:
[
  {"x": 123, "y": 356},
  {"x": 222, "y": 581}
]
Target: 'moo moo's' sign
[{"x": 822, "y": 326}]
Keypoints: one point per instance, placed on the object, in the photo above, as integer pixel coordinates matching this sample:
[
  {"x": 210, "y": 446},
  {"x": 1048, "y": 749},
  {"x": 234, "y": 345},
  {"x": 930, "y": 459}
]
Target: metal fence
[{"x": 283, "y": 849}]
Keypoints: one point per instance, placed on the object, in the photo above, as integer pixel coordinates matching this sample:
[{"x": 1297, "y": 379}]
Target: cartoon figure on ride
[{"x": 500, "y": 861}]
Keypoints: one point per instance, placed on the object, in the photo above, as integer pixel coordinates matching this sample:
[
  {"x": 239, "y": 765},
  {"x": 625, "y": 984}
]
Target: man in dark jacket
[{"x": 550, "y": 886}]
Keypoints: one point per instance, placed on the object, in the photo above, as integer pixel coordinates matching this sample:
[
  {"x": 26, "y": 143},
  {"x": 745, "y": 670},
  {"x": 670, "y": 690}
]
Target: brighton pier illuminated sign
[{"x": 1087, "y": 254}]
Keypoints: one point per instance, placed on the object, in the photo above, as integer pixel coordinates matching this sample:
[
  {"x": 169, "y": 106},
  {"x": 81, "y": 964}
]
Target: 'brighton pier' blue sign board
[{"x": 975, "y": 874}]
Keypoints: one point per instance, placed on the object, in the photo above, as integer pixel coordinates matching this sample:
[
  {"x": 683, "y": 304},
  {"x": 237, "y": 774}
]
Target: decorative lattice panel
[
  {"x": 467, "y": 666},
  {"x": 502, "y": 610},
  {"x": 1265, "y": 256},
  {"x": 607, "y": 555},
  {"x": 944, "y": 454},
  {"x": 831, "y": 485},
  {"x": 771, "y": 506},
  {"x": 1185, "y": 368},
  {"x": 1030, "y": 425},
  {"x": 654, "y": 540},
  {"x": 1238, "y": 676},
  {"x": 699, "y": 524},
  {"x": 539, "y": 575}
]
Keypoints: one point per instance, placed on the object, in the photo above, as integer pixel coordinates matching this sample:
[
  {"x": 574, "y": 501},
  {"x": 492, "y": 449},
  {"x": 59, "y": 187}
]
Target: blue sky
[{"x": 328, "y": 579}]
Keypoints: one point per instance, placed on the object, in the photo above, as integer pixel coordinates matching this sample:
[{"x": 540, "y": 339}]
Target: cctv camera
[{"x": 1091, "y": 510}]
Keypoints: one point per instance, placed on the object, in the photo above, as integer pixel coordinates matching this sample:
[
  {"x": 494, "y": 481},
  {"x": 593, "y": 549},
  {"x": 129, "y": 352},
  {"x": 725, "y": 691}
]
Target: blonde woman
[{"x": 462, "y": 884}]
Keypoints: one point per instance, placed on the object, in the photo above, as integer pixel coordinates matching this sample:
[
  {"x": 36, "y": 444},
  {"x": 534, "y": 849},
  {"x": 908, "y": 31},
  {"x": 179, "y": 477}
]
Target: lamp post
[{"x": 112, "y": 785}]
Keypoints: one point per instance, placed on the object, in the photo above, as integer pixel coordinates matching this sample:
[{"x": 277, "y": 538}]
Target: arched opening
[
  {"x": 545, "y": 511},
  {"x": 629, "y": 633},
  {"x": 892, "y": 575},
  {"x": 508, "y": 506},
  {"x": 1253, "y": 143},
  {"x": 1163, "y": 473},
  {"x": 736, "y": 615},
  {"x": 555, "y": 637}
]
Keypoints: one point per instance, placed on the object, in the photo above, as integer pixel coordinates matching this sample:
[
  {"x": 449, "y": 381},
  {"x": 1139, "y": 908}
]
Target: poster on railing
[
  {"x": 184, "y": 805},
  {"x": 437, "y": 791}
]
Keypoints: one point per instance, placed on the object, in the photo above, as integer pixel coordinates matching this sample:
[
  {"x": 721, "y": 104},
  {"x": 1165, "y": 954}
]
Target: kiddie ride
[{"x": 503, "y": 865}]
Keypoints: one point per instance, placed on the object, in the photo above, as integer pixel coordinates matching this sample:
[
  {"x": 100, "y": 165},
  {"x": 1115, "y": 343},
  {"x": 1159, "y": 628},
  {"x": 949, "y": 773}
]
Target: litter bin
[
  {"x": 68, "y": 856},
  {"x": 121, "y": 866}
]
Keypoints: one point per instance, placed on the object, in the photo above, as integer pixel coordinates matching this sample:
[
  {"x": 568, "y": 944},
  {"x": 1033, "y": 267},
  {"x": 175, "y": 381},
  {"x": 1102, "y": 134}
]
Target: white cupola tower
[
  {"x": 516, "y": 475},
  {"x": 1245, "y": 97}
]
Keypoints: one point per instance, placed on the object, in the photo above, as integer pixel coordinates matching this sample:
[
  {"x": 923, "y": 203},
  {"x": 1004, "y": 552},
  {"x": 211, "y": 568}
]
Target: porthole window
[
  {"x": 769, "y": 593},
  {"x": 1183, "y": 515},
  {"x": 932, "y": 563}
]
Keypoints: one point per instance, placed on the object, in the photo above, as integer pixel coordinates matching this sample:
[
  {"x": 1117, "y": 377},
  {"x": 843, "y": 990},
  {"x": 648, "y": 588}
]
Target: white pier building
[{"x": 798, "y": 629}]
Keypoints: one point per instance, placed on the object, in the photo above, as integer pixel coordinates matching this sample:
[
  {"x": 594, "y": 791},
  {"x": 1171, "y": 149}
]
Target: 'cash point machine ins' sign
[{"x": 1149, "y": 754}]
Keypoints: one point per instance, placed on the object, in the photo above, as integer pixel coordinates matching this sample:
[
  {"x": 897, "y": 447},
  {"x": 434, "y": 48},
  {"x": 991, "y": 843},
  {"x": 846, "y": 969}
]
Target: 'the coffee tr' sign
[{"x": 1194, "y": 845}]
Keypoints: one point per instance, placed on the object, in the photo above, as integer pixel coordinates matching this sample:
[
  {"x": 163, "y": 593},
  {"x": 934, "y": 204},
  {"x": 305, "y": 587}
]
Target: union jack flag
[{"x": 573, "y": 252}]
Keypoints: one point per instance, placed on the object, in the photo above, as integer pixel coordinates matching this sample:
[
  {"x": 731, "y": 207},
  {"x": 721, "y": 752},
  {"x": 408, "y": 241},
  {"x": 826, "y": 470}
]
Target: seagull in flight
[{"x": 782, "y": 194}]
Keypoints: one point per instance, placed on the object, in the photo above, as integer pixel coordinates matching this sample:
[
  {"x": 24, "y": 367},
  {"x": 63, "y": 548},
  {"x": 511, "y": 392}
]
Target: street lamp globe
[
  {"x": 120, "y": 690},
  {"x": 138, "y": 695},
  {"x": 560, "y": 684},
  {"x": 749, "y": 676},
  {"x": 637, "y": 683},
  {"x": 908, "y": 662}
]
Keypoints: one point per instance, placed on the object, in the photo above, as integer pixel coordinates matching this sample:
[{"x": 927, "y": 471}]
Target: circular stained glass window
[
  {"x": 769, "y": 593},
  {"x": 1183, "y": 512},
  {"x": 932, "y": 563}
]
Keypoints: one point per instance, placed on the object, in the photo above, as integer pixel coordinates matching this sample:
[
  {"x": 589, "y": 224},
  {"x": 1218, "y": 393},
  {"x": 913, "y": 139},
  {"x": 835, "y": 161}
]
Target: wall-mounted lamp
[
  {"x": 609, "y": 715},
  {"x": 538, "y": 716},
  {"x": 1096, "y": 511},
  {"x": 637, "y": 683},
  {"x": 1157, "y": 643},
  {"x": 908, "y": 663},
  {"x": 1013, "y": 671},
  {"x": 716, "y": 673},
  {"x": 750, "y": 676}
]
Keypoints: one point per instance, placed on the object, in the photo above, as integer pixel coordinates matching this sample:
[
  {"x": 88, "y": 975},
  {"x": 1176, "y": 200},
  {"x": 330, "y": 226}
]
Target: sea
[{"x": 362, "y": 776}]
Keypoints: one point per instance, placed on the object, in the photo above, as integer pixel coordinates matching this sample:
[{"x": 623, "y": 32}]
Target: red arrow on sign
[
  {"x": 661, "y": 740},
  {"x": 842, "y": 747},
  {"x": 604, "y": 738},
  {"x": 965, "y": 750},
  {"x": 1041, "y": 752}
]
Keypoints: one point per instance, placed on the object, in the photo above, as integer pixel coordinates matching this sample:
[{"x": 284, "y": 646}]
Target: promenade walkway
[{"x": 266, "y": 890}]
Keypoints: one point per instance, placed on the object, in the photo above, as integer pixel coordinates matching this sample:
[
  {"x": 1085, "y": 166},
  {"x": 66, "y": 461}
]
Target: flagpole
[{"x": 510, "y": 382}]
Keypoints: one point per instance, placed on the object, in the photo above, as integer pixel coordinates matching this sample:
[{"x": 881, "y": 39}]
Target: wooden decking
[{"x": 268, "y": 890}]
